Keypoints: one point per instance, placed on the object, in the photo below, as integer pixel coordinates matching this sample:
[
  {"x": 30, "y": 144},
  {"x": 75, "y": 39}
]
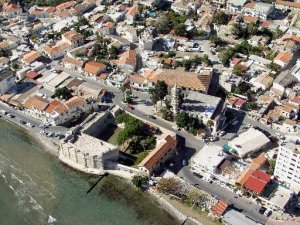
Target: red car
[{"x": 130, "y": 107}]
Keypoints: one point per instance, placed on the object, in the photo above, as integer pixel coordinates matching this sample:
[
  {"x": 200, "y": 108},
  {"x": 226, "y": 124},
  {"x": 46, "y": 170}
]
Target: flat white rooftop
[
  {"x": 208, "y": 158},
  {"x": 248, "y": 142}
]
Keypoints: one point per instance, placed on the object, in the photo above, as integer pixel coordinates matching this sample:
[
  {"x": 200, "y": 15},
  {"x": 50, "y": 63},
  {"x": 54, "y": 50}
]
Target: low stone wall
[{"x": 121, "y": 170}]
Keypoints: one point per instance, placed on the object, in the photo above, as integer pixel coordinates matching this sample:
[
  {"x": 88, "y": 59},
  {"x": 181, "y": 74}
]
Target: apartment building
[{"x": 287, "y": 168}]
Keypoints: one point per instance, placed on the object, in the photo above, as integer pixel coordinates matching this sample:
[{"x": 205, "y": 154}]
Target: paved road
[
  {"x": 246, "y": 206},
  {"x": 21, "y": 116}
]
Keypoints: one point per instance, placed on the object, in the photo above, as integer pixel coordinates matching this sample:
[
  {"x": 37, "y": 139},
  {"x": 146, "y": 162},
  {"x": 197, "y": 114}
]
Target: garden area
[{"x": 136, "y": 138}]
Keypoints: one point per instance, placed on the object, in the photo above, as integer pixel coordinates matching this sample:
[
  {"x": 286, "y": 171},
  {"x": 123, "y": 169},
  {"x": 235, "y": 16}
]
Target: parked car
[
  {"x": 176, "y": 128},
  {"x": 22, "y": 122},
  {"x": 235, "y": 122},
  {"x": 184, "y": 162},
  {"x": 222, "y": 133},
  {"x": 151, "y": 117},
  {"x": 249, "y": 126},
  {"x": 212, "y": 139},
  {"x": 268, "y": 212},
  {"x": 10, "y": 115},
  {"x": 262, "y": 210},
  {"x": 198, "y": 175}
]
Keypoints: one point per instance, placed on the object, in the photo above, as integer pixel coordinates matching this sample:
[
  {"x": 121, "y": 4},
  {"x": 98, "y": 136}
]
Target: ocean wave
[
  {"x": 51, "y": 219},
  {"x": 11, "y": 187},
  {"x": 14, "y": 177}
]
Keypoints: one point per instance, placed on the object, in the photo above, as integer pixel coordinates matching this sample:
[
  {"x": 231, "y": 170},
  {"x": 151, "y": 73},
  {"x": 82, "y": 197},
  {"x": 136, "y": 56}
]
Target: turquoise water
[{"x": 36, "y": 189}]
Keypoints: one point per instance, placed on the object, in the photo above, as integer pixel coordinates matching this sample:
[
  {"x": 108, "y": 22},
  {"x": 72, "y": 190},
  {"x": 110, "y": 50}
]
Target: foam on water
[{"x": 51, "y": 219}]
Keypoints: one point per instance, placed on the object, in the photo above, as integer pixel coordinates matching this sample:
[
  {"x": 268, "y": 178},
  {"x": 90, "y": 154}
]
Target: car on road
[
  {"x": 212, "y": 139},
  {"x": 29, "y": 125},
  {"x": 42, "y": 132},
  {"x": 221, "y": 133},
  {"x": 268, "y": 212},
  {"x": 235, "y": 122},
  {"x": 176, "y": 128},
  {"x": 151, "y": 117},
  {"x": 130, "y": 107},
  {"x": 198, "y": 175},
  {"x": 22, "y": 122},
  {"x": 10, "y": 115},
  {"x": 262, "y": 210}
]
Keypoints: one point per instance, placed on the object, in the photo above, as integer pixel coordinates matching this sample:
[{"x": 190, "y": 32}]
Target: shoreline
[
  {"x": 52, "y": 148},
  {"x": 45, "y": 144}
]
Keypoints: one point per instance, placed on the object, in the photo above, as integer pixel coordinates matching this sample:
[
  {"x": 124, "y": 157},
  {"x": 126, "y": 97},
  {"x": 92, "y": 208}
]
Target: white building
[
  {"x": 7, "y": 82},
  {"x": 146, "y": 41},
  {"x": 88, "y": 154},
  {"x": 287, "y": 168},
  {"x": 235, "y": 5},
  {"x": 208, "y": 159},
  {"x": 247, "y": 143}
]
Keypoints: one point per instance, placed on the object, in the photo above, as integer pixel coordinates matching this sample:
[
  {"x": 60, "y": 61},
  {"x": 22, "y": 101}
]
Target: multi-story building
[
  {"x": 287, "y": 168},
  {"x": 7, "y": 82}
]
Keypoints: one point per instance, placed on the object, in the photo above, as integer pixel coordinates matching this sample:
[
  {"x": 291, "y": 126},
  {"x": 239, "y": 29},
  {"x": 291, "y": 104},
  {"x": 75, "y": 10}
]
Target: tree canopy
[{"x": 159, "y": 91}]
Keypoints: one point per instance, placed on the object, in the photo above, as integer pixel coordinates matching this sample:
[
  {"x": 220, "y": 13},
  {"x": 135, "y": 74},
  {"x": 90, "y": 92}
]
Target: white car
[
  {"x": 268, "y": 212},
  {"x": 221, "y": 133},
  {"x": 184, "y": 162},
  {"x": 249, "y": 126},
  {"x": 176, "y": 128},
  {"x": 235, "y": 122}
]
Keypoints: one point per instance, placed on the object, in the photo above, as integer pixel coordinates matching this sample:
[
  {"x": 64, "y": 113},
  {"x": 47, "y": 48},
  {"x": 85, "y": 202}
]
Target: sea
[{"x": 36, "y": 189}]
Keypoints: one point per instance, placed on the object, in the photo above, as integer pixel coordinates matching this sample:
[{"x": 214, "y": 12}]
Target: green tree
[
  {"x": 182, "y": 119},
  {"x": 220, "y": 17},
  {"x": 251, "y": 105},
  {"x": 159, "y": 92},
  {"x": 140, "y": 181},
  {"x": 207, "y": 60},
  {"x": 238, "y": 70},
  {"x": 148, "y": 142},
  {"x": 210, "y": 123},
  {"x": 62, "y": 93},
  {"x": 180, "y": 30},
  {"x": 272, "y": 163}
]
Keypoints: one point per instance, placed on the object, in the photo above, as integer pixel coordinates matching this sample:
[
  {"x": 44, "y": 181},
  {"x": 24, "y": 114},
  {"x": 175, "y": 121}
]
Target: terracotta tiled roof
[
  {"x": 31, "y": 56},
  {"x": 72, "y": 35},
  {"x": 257, "y": 181},
  {"x": 292, "y": 37},
  {"x": 61, "y": 108},
  {"x": 55, "y": 49},
  {"x": 93, "y": 67},
  {"x": 74, "y": 83},
  {"x": 284, "y": 56},
  {"x": 295, "y": 100},
  {"x": 250, "y": 5},
  {"x": 110, "y": 24},
  {"x": 36, "y": 102},
  {"x": 288, "y": 3},
  {"x": 243, "y": 176},
  {"x": 32, "y": 74},
  {"x": 250, "y": 19},
  {"x": 158, "y": 153},
  {"x": 134, "y": 10},
  {"x": 11, "y": 7},
  {"x": 73, "y": 61},
  {"x": 75, "y": 102},
  {"x": 258, "y": 162},
  {"x": 65, "y": 5},
  {"x": 55, "y": 103},
  {"x": 138, "y": 79},
  {"x": 195, "y": 81},
  {"x": 220, "y": 208}
]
